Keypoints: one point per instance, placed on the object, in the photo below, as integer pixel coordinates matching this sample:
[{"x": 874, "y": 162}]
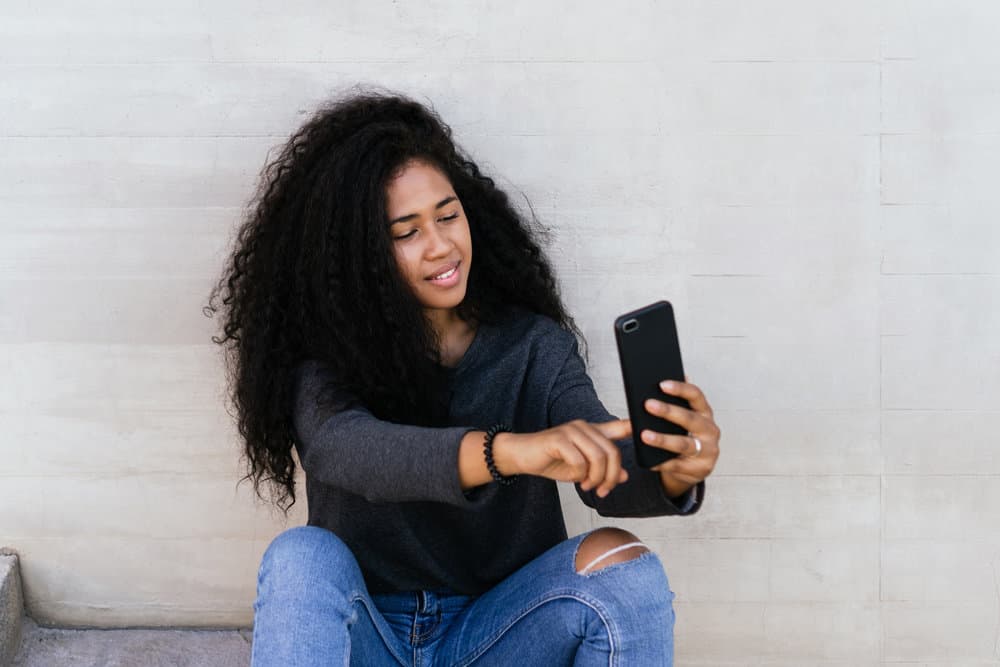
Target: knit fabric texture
[{"x": 391, "y": 491}]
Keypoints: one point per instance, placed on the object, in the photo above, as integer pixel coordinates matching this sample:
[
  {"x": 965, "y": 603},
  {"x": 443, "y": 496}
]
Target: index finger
[{"x": 617, "y": 429}]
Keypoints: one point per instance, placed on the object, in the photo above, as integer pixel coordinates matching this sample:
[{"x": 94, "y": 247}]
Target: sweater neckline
[{"x": 470, "y": 353}]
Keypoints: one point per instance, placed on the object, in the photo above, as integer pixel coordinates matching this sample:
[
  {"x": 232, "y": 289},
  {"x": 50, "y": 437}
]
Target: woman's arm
[
  {"x": 349, "y": 448},
  {"x": 472, "y": 470},
  {"x": 643, "y": 495}
]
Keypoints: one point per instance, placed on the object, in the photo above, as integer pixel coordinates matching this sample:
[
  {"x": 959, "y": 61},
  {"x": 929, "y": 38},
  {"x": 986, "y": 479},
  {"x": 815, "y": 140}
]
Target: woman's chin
[
  {"x": 440, "y": 305},
  {"x": 445, "y": 301}
]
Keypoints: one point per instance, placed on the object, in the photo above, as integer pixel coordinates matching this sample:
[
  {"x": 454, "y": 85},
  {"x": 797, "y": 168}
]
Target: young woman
[{"x": 390, "y": 317}]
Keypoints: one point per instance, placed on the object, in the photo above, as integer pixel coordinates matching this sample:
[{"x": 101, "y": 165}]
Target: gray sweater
[{"x": 391, "y": 491}]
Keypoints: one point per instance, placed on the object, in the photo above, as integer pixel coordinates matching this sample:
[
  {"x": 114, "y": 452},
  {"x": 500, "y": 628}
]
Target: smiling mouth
[{"x": 446, "y": 274}]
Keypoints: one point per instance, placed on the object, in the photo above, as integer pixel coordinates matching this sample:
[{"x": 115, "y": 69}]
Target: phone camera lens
[{"x": 630, "y": 326}]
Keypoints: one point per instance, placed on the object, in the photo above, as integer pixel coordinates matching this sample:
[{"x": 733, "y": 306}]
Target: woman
[{"x": 389, "y": 315}]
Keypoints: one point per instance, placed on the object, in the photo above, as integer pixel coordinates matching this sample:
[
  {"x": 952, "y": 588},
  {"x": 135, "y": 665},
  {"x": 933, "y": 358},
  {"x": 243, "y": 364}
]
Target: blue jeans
[{"x": 313, "y": 608}]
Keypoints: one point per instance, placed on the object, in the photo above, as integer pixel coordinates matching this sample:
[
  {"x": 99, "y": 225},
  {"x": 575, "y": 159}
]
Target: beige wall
[{"x": 812, "y": 184}]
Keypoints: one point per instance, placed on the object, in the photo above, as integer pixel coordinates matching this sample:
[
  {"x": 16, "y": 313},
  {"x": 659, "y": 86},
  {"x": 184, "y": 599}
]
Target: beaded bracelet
[{"x": 488, "y": 451}]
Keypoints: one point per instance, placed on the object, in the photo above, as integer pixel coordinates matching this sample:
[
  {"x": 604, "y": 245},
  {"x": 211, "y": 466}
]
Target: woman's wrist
[
  {"x": 503, "y": 454},
  {"x": 674, "y": 488},
  {"x": 472, "y": 469}
]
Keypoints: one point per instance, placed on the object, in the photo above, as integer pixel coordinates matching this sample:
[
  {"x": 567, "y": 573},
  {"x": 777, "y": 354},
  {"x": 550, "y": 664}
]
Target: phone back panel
[{"x": 649, "y": 352}]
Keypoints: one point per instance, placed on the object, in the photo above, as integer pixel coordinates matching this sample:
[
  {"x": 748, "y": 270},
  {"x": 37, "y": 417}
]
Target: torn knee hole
[{"x": 605, "y": 547}]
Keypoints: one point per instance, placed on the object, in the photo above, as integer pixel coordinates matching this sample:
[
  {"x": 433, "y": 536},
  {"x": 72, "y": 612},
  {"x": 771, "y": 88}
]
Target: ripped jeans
[{"x": 313, "y": 608}]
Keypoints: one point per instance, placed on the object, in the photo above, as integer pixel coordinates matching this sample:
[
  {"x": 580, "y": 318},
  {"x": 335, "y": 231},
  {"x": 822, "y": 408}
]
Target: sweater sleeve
[
  {"x": 349, "y": 448},
  {"x": 573, "y": 397}
]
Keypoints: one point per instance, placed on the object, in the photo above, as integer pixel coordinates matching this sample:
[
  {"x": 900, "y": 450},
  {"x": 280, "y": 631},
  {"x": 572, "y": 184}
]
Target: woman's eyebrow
[{"x": 414, "y": 215}]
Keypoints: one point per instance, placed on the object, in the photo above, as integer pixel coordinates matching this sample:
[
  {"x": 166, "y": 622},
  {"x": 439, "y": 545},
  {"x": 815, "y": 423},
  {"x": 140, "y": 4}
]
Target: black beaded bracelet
[{"x": 488, "y": 452}]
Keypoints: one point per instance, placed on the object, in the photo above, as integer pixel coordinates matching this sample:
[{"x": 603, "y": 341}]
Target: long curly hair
[{"x": 312, "y": 275}]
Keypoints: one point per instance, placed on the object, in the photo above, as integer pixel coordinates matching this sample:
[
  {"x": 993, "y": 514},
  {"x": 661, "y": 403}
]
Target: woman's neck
[{"x": 454, "y": 335}]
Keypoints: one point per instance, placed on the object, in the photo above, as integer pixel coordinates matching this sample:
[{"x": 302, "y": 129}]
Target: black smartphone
[{"x": 649, "y": 352}]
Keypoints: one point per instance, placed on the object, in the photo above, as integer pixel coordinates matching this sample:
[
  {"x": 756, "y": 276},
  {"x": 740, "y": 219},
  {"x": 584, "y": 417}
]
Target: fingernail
[
  {"x": 647, "y": 436},
  {"x": 666, "y": 385}
]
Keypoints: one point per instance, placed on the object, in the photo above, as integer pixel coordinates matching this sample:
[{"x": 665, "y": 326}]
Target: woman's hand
[
  {"x": 682, "y": 472},
  {"x": 577, "y": 451}
]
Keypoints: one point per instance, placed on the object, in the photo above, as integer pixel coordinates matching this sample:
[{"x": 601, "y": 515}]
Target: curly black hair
[{"x": 312, "y": 275}]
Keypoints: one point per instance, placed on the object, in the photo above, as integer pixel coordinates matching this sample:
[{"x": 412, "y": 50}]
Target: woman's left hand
[{"x": 691, "y": 466}]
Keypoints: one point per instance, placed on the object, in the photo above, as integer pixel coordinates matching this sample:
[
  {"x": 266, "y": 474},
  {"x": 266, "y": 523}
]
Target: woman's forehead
[{"x": 417, "y": 186}]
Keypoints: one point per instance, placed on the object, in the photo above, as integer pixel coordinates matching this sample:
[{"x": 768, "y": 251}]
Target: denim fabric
[{"x": 313, "y": 608}]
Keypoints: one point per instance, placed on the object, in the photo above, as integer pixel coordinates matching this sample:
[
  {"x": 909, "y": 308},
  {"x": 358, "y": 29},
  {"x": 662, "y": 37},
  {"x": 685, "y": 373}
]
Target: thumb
[{"x": 616, "y": 429}]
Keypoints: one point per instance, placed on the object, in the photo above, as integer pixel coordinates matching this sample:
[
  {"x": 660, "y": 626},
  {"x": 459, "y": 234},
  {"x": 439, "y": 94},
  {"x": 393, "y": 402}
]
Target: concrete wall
[{"x": 813, "y": 185}]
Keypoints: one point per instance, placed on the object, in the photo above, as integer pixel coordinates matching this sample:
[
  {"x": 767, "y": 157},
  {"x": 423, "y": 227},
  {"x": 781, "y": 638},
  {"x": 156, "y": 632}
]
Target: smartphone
[{"x": 649, "y": 352}]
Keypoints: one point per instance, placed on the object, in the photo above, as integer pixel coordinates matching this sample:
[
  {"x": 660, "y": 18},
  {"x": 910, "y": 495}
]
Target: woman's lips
[{"x": 449, "y": 278}]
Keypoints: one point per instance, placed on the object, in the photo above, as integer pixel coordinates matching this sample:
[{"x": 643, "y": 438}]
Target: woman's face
[{"x": 430, "y": 235}]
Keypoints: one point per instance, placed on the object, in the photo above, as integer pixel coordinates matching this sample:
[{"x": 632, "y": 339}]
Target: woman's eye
[{"x": 413, "y": 231}]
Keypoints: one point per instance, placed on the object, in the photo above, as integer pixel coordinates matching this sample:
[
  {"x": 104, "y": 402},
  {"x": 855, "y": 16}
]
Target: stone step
[
  {"x": 62, "y": 647},
  {"x": 24, "y": 643},
  {"x": 11, "y": 606}
]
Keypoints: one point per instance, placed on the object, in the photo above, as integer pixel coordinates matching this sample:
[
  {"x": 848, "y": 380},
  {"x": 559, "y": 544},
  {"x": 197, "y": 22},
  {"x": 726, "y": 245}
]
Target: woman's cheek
[{"x": 411, "y": 268}]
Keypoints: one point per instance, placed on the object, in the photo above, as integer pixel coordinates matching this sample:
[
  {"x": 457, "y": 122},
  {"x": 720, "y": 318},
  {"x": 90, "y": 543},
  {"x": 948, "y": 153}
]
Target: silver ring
[{"x": 697, "y": 446}]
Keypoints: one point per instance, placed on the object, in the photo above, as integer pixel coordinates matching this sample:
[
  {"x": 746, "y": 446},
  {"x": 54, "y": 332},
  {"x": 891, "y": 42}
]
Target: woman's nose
[{"x": 438, "y": 243}]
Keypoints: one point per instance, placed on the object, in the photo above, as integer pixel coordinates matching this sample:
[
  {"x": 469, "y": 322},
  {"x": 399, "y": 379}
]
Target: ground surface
[{"x": 58, "y": 647}]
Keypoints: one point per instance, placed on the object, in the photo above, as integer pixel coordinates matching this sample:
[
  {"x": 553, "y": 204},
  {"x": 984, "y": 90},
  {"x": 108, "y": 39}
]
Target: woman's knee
[
  {"x": 606, "y": 546},
  {"x": 618, "y": 554},
  {"x": 307, "y": 557}
]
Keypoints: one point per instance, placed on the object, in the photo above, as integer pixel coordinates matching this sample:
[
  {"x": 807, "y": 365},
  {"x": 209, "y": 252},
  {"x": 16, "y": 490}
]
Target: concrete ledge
[
  {"x": 23, "y": 643},
  {"x": 11, "y": 607},
  {"x": 62, "y": 647}
]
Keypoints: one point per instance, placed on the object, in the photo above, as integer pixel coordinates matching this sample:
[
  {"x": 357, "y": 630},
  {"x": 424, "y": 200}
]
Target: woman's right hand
[{"x": 577, "y": 451}]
